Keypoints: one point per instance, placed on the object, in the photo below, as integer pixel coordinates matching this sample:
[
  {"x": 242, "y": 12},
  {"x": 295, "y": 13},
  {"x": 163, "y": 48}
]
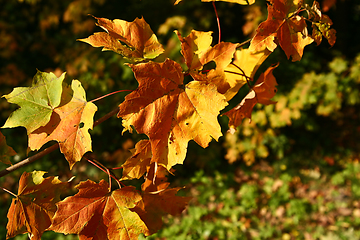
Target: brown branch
[{"x": 49, "y": 149}]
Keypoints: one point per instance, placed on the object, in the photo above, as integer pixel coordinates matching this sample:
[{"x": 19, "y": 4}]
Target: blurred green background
[{"x": 293, "y": 172}]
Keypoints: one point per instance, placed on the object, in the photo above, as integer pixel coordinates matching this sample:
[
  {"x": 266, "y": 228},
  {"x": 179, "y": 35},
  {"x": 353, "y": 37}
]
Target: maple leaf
[
  {"x": 262, "y": 92},
  {"x": 321, "y": 25},
  {"x": 134, "y": 40},
  {"x": 37, "y": 102},
  {"x": 197, "y": 51},
  {"x": 33, "y": 208},
  {"x": 242, "y": 69},
  {"x": 136, "y": 165},
  {"x": 283, "y": 25},
  {"x": 169, "y": 113},
  {"x": 69, "y": 125},
  {"x": 5, "y": 151},
  {"x": 94, "y": 213}
]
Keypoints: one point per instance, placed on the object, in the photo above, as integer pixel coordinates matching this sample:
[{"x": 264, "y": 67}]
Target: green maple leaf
[{"x": 37, "y": 102}]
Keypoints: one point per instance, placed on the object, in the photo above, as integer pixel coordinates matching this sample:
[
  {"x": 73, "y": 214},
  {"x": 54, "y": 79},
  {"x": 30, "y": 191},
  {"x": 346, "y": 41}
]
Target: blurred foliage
[
  {"x": 292, "y": 173},
  {"x": 260, "y": 202}
]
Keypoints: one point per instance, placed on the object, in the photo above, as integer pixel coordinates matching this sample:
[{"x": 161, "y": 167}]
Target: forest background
[{"x": 293, "y": 172}]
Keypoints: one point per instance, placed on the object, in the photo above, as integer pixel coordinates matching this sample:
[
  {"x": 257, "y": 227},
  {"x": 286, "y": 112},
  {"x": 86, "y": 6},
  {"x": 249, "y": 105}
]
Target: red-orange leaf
[
  {"x": 285, "y": 26},
  {"x": 33, "y": 208},
  {"x": 169, "y": 113},
  {"x": 94, "y": 213},
  {"x": 5, "y": 151},
  {"x": 262, "y": 92},
  {"x": 134, "y": 40},
  {"x": 155, "y": 205},
  {"x": 69, "y": 125}
]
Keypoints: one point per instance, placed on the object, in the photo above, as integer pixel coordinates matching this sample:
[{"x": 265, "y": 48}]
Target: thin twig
[
  {"x": 217, "y": 20},
  {"x": 49, "y": 149},
  {"x": 8, "y": 191}
]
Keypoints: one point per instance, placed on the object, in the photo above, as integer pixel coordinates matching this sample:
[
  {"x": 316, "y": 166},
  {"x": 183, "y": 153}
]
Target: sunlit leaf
[
  {"x": 96, "y": 213},
  {"x": 171, "y": 113},
  {"x": 37, "y": 103}
]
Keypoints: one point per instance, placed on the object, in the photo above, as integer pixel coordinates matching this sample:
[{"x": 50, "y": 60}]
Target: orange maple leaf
[
  {"x": 155, "y": 205},
  {"x": 321, "y": 25},
  {"x": 171, "y": 113},
  {"x": 134, "y": 40},
  {"x": 94, "y": 213},
  {"x": 69, "y": 125},
  {"x": 285, "y": 26},
  {"x": 197, "y": 51},
  {"x": 262, "y": 92},
  {"x": 33, "y": 208}
]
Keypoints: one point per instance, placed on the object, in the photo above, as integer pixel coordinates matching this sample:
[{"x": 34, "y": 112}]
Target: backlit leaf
[
  {"x": 37, "y": 102},
  {"x": 284, "y": 26},
  {"x": 244, "y": 65},
  {"x": 94, "y": 213},
  {"x": 134, "y": 40},
  {"x": 136, "y": 165},
  {"x": 69, "y": 126},
  {"x": 262, "y": 92},
  {"x": 197, "y": 51},
  {"x": 33, "y": 208},
  {"x": 169, "y": 113}
]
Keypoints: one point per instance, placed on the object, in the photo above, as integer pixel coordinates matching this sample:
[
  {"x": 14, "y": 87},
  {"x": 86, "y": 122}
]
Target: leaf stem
[
  {"x": 106, "y": 170},
  {"x": 8, "y": 191},
  {"x": 109, "y": 94},
  {"x": 217, "y": 20},
  {"x": 49, "y": 149}
]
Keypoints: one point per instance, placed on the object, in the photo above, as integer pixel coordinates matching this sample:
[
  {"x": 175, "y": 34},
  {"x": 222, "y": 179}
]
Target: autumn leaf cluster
[{"x": 167, "y": 108}]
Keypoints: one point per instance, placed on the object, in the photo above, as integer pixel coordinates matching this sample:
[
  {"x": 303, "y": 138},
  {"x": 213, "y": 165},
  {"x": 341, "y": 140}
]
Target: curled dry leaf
[{"x": 69, "y": 125}]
